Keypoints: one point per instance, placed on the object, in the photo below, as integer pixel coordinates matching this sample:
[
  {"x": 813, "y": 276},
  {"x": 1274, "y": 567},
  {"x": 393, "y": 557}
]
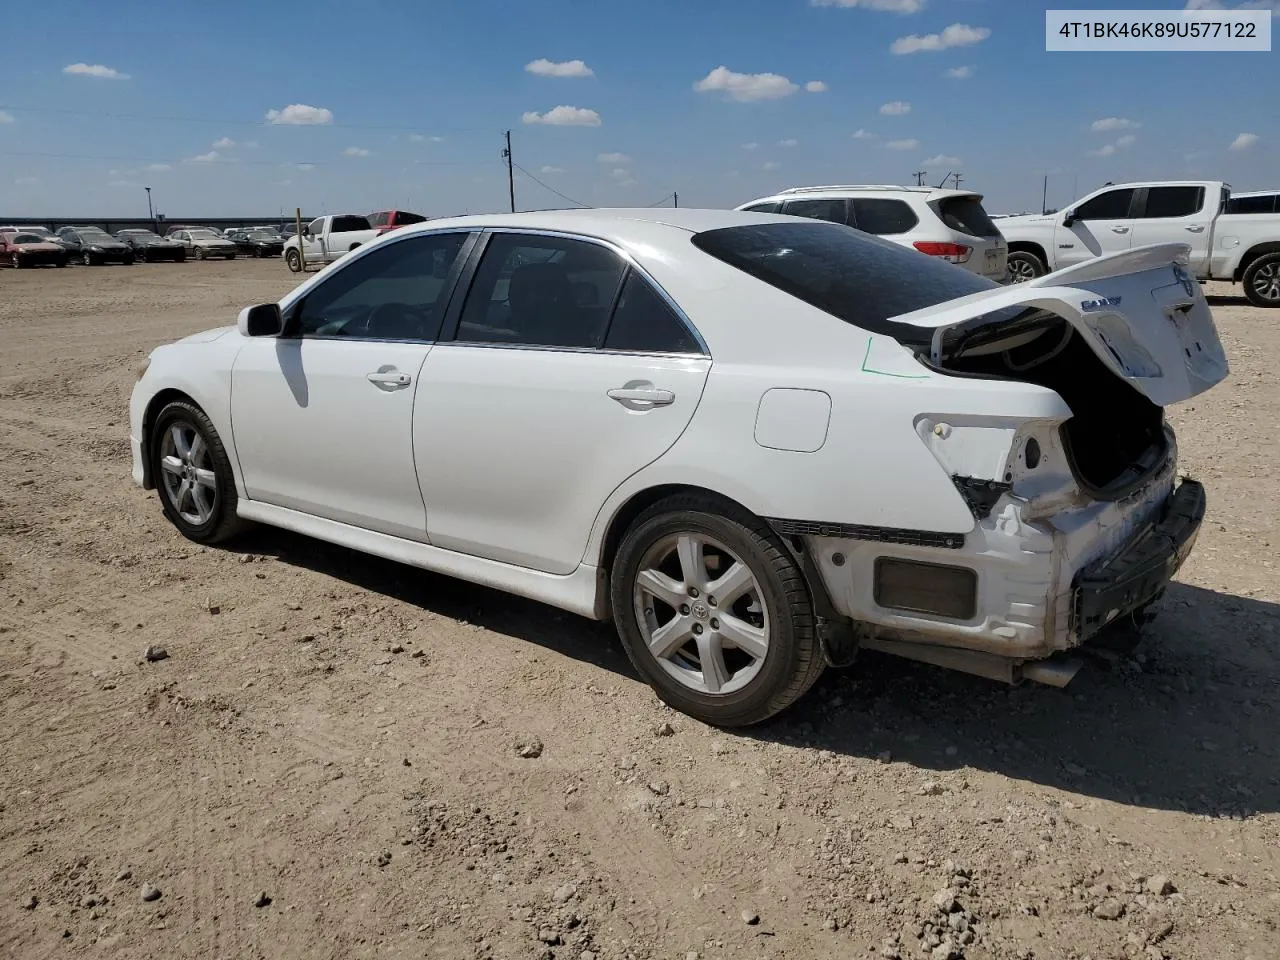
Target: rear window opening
[
  {"x": 967, "y": 215},
  {"x": 1116, "y": 437}
]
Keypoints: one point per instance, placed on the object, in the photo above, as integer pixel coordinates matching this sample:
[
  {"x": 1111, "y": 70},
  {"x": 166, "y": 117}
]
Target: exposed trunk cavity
[{"x": 1116, "y": 437}]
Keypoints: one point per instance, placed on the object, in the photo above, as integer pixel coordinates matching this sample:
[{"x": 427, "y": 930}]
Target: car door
[
  {"x": 313, "y": 241},
  {"x": 69, "y": 239},
  {"x": 565, "y": 372},
  {"x": 183, "y": 238},
  {"x": 1102, "y": 224},
  {"x": 321, "y": 416},
  {"x": 1180, "y": 213}
]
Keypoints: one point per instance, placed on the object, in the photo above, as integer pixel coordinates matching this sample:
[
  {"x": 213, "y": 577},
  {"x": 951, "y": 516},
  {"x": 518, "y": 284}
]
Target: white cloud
[
  {"x": 209, "y": 157},
  {"x": 893, "y": 6},
  {"x": 551, "y": 170},
  {"x": 613, "y": 158},
  {"x": 356, "y": 152},
  {"x": 27, "y": 181},
  {"x": 422, "y": 138},
  {"x": 223, "y": 143},
  {"x": 300, "y": 115},
  {"x": 622, "y": 177},
  {"x": 903, "y": 144},
  {"x": 283, "y": 183},
  {"x": 1243, "y": 142},
  {"x": 1104, "y": 151},
  {"x": 306, "y": 166},
  {"x": 895, "y": 108},
  {"x": 772, "y": 165},
  {"x": 956, "y": 35},
  {"x": 1272, "y": 5},
  {"x": 6, "y": 117},
  {"x": 863, "y": 135},
  {"x": 941, "y": 160},
  {"x": 251, "y": 144},
  {"x": 568, "y": 68},
  {"x": 1128, "y": 140},
  {"x": 1113, "y": 123},
  {"x": 746, "y": 87},
  {"x": 563, "y": 116},
  {"x": 157, "y": 167},
  {"x": 788, "y": 143},
  {"x": 94, "y": 70},
  {"x": 959, "y": 73},
  {"x": 125, "y": 183},
  {"x": 751, "y": 146},
  {"x": 816, "y": 86}
]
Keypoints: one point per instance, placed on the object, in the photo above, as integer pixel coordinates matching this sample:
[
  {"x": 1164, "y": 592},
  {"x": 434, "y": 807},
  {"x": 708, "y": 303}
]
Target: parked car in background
[
  {"x": 38, "y": 231},
  {"x": 387, "y": 220},
  {"x": 150, "y": 246},
  {"x": 257, "y": 241},
  {"x": 23, "y": 249},
  {"x": 93, "y": 246},
  {"x": 203, "y": 244},
  {"x": 924, "y": 462},
  {"x": 325, "y": 239},
  {"x": 948, "y": 224},
  {"x": 1236, "y": 243}
]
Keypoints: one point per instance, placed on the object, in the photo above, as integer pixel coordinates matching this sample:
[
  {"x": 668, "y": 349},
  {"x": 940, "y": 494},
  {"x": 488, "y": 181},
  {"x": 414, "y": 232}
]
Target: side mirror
[
  {"x": 264, "y": 320},
  {"x": 1069, "y": 218}
]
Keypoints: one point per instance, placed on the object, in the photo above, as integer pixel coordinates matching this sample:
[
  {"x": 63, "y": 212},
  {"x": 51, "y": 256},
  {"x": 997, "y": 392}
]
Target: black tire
[
  {"x": 87, "y": 259},
  {"x": 181, "y": 258},
  {"x": 794, "y": 659},
  {"x": 1025, "y": 265},
  {"x": 62, "y": 262},
  {"x": 231, "y": 256},
  {"x": 17, "y": 262},
  {"x": 293, "y": 260},
  {"x": 199, "y": 253},
  {"x": 128, "y": 261},
  {"x": 222, "y": 523},
  {"x": 1262, "y": 281}
]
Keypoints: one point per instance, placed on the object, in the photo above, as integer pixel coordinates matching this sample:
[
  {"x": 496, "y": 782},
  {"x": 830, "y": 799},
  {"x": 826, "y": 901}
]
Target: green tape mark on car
[{"x": 885, "y": 373}]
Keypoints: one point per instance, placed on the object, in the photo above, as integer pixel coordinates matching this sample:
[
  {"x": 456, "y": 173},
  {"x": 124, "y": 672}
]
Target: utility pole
[
  {"x": 675, "y": 199},
  {"x": 150, "y": 211},
  {"x": 511, "y": 177},
  {"x": 1044, "y": 197},
  {"x": 920, "y": 175},
  {"x": 957, "y": 178}
]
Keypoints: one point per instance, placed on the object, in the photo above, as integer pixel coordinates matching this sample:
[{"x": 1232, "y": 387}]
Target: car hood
[
  {"x": 155, "y": 242},
  {"x": 104, "y": 243},
  {"x": 211, "y": 242},
  {"x": 207, "y": 336},
  {"x": 43, "y": 245},
  {"x": 1024, "y": 219}
]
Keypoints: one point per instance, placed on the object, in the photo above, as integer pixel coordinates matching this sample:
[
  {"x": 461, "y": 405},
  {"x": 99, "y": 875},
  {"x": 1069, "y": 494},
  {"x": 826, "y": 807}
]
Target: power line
[
  {"x": 545, "y": 186},
  {"x": 658, "y": 203}
]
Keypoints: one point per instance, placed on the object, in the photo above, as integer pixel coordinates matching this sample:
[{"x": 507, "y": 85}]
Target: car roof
[
  {"x": 621, "y": 224},
  {"x": 1253, "y": 193},
  {"x": 843, "y": 190}
]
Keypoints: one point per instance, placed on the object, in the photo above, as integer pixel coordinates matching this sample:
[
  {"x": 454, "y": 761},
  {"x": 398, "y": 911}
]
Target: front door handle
[
  {"x": 642, "y": 398},
  {"x": 389, "y": 378},
  {"x": 1195, "y": 228},
  {"x": 1119, "y": 229}
]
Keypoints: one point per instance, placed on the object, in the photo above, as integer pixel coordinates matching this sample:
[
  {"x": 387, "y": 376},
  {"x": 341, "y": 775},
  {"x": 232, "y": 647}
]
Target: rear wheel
[
  {"x": 1024, "y": 266},
  {"x": 193, "y": 474},
  {"x": 87, "y": 259},
  {"x": 713, "y": 612},
  {"x": 199, "y": 253},
  {"x": 1262, "y": 281}
]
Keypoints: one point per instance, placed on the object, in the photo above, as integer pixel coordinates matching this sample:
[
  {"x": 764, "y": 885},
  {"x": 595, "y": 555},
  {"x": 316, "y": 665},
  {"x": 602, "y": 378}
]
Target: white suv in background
[{"x": 949, "y": 224}]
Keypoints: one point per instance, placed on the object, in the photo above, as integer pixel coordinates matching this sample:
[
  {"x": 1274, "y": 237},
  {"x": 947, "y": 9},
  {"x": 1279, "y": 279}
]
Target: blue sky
[{"x": 720, "y": 100}]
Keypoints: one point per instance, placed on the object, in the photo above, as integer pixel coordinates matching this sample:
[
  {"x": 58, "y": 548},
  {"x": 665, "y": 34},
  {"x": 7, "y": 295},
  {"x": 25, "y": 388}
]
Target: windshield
[
  {"x": 264, "y": 233},
  {"x": 94, "y": 233},
  {"x": 203, "y": 235},
  {"x": 26, "y": 238},
  {"x": 139, "y": 234},
  {"x": 859, "y": 278}
]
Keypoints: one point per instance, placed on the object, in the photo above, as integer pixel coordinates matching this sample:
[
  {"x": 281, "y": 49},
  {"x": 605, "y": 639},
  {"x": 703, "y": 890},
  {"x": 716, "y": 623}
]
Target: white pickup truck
[
  {"x": 1230, "y": 239},
  {"x": 325, "y": 239}
]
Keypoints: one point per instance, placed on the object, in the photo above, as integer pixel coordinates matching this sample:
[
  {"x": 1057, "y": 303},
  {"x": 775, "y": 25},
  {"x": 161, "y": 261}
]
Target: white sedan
[{"x": 757, "y": 443}]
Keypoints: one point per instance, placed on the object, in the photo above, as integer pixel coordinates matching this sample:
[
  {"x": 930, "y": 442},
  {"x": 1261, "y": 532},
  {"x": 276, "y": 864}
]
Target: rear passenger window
[
  {"x": 833, "y": 210},
  {"x": 882, "y": 217},
  {"x": 643, "y": 321},
  {"x": 772, "y": 206},
  {"x": 1266, "y": 203},
  {"x": 1173, "y": 202},
  {"x": 1112, "y": 205},
  {"x": 541, "y": 291}
]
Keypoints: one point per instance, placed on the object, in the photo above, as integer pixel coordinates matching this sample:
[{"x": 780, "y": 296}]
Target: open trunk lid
[{"x": 1140, "y": 311}]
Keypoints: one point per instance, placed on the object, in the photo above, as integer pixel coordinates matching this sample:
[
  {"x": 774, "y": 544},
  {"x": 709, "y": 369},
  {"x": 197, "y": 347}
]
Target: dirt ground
[{"x": 340, "y": 735}]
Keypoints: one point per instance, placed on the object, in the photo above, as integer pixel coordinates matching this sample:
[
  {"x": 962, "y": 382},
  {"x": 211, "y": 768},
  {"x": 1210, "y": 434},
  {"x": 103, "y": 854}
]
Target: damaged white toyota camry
[{"x": 756, "y": 442}]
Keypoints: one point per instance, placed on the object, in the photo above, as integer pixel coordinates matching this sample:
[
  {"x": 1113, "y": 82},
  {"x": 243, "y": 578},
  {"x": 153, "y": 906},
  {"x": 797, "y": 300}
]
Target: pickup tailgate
[{"x": 1140, "y": 311}]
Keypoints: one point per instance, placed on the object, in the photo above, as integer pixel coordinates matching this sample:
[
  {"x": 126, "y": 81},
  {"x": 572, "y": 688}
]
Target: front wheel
[
  {"x": 193, "y": 474},
  {"x": 128, "y": 261},
  {"x": 714, "y": 613},
  {"x": 199, "y": 253},
  {"x": 1262, "y": 281},
  {"x": 294, "y": 261},
  {"x": 87, "y": 260},
  {"x": 1024, "y": 266}
]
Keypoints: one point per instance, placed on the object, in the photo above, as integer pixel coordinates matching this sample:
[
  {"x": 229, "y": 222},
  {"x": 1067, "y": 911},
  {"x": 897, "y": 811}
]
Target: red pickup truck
[{"x": 385, "y": 221}]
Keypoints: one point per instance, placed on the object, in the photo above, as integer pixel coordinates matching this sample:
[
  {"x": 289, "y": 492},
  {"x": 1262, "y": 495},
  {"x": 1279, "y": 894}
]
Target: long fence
[{"x": 160, "y": 224}]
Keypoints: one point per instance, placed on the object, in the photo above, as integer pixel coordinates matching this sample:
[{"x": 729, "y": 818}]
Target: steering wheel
[{"x": 399, "y": 321}]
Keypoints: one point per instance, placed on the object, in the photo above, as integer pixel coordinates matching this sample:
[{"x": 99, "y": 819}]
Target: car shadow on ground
[
  {"x": 1188, "y": 723},
  {"x": 1229, "y": 300}
]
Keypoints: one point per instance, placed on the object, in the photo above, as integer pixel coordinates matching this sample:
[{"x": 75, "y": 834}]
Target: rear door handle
[
  {"x": 389, "y": 378},
  {"x": 1119, "y": 229},
  {"x": 642, "y": 397},
  {"x": 1195, "y": 228}
]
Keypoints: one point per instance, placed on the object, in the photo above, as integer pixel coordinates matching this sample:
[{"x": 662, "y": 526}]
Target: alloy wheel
[
  {"x": 186, "y": 465},
  {"x": 702, "y": 614},
  {"x": 1020, "y": 271},
  {"x": 1266, "y": 282}
]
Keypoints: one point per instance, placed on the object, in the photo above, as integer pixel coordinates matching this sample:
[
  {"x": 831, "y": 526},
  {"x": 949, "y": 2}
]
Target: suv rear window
[
  {"x": 1266, "y": 203},
  {"x": 967, "y": 215},
  {"x": 403, "y": 219},
  {"x": 863, "y": 280}
]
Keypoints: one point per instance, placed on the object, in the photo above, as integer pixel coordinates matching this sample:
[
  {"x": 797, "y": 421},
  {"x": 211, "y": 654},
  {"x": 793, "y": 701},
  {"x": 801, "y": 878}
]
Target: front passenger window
[
  {"x": 1112, "y": 205},
  {"x": 395, "y": 292}
]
